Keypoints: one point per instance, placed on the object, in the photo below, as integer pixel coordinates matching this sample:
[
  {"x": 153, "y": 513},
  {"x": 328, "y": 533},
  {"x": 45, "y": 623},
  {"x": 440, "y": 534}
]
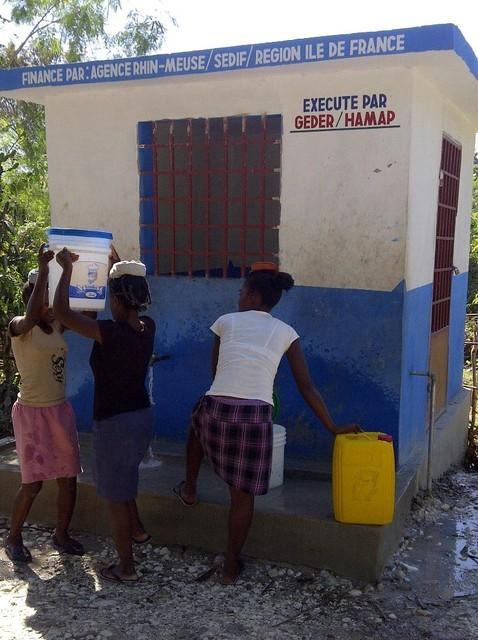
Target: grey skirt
[{"x": 119, "y": 445}]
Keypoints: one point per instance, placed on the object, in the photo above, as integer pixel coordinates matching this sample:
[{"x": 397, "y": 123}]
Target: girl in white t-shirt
[{"x": 232, "y": 423}]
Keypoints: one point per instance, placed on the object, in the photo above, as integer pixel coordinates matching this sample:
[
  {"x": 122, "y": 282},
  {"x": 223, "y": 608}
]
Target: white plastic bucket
[
  {"x": 90, "y": 273},
  {"x": 277, "y": 472}
]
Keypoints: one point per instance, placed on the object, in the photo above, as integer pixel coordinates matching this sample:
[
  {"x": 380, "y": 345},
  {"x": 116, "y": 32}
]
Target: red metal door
[{"x": 443, "y": 271}]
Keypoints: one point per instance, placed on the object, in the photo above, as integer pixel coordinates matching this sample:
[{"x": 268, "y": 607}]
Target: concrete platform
[
  {"x": 292, "y": 524},
  {"x": 450, "y": 434}
]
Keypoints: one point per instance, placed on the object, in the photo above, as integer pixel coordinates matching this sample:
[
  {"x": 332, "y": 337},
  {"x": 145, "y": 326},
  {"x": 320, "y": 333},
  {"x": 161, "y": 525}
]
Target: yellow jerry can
[{"x": 363, "y": 478}]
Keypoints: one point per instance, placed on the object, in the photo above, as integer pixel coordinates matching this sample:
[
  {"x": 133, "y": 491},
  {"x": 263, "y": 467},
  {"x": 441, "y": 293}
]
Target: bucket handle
[{"x": 381, "y": 436}]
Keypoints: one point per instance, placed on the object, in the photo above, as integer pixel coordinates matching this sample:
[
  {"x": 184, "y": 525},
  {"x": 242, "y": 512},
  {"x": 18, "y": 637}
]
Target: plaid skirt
[{"x": 237, "y": 440}]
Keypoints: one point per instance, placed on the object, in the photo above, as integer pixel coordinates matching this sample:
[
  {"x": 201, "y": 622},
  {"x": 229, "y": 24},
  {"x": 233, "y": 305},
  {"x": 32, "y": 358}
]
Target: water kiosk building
[{"x": 346, "y": 158}]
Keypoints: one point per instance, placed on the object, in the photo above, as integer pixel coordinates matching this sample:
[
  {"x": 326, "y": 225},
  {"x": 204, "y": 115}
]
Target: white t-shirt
[{"x": 252, "y": 345}]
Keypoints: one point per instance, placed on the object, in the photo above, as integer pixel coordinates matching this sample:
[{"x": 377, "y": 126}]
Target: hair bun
[{"x": 283, "y": 281}]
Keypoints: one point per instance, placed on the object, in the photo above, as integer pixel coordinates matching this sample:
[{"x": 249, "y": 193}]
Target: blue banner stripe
[{"x": 443, "y": 37}]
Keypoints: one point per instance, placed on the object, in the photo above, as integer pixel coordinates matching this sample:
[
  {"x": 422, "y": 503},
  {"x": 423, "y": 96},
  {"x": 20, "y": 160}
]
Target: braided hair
[
  {"x": 132, "y": 290},
  {"x": 269, "y": 284}
]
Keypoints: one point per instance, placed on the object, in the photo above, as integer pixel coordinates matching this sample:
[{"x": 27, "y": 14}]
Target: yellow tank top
[{"x": 40, "y": 359}]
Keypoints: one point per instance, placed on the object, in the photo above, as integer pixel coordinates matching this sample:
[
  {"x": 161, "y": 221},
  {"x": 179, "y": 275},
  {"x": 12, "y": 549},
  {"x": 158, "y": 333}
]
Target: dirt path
[{"x": 430, "y": 589}]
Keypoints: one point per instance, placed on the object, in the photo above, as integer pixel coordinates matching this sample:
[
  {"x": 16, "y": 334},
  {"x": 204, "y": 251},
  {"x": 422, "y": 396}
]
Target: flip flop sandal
[
  {"x": 202, "y": 577},
  {"x": 109, "y": 574},
  {"x": 147, "y": 539},
  {"x": 18, "y": 554},
  {"x": 71, "y": 548},
  {"x": 178, "y": 494}
]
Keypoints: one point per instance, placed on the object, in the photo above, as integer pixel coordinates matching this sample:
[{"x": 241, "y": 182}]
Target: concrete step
[{"x": 293, "y": 524}]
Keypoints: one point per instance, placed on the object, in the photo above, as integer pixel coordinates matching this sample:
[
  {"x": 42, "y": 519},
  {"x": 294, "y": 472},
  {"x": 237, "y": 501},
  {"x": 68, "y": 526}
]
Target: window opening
[{"x": 209, "y": 194}]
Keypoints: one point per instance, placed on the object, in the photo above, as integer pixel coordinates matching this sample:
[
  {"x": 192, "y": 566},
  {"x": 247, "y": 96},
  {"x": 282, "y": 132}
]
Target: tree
[
  {"x": 22, "y": 223},
  {"x": 473, "y": 266},
  {"x": 72, "y": 30},
  {"x": 52, "y": 31},
  {"x": 62, "y": 31}
]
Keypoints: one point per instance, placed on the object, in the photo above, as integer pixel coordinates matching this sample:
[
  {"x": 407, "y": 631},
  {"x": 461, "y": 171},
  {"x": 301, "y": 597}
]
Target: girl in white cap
[
  {"x": 43, "y": 420},
  {"x": 123, "y": 421}
]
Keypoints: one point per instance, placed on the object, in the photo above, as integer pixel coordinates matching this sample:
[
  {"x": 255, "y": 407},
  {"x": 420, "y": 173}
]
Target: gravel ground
[{"x": 429, "y": 589}]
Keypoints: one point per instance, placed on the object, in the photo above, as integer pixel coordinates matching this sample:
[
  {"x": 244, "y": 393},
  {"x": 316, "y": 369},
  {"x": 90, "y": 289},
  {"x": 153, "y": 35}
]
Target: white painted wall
[
  {"x": 432, "y": 116},
  {"x": 344, "y": 193}
]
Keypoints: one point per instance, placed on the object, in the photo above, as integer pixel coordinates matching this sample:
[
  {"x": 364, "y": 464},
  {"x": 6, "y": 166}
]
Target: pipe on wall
[{"x": 431, "y": 420}]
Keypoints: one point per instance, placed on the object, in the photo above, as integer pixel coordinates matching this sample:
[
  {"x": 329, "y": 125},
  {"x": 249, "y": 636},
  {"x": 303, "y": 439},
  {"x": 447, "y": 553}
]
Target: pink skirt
[{"x": 47, "y": 442}]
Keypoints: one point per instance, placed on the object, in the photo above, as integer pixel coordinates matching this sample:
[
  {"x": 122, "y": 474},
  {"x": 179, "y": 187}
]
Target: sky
[{"x": 203, "y": 24}]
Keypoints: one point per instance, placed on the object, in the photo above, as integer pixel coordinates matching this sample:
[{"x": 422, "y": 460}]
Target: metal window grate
[
  {"x": 210, "y": 194},
  {"x": 445, "y": 233}
]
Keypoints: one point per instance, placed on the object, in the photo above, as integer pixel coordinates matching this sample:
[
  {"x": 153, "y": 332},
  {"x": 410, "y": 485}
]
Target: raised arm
[
  {"x": 36, "y": 304},
  {"x": 310, "y": 393},
  {"x": 78, "y": 322}
]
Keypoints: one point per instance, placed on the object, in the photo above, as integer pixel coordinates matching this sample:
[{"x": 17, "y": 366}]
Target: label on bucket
[{"x": 86, "y": 279}]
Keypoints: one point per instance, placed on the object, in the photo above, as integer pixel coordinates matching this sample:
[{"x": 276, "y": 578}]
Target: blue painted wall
[
  {"x": 416, "y": 354},
  {"x": 79, "y": 379},
  {"x": 352, "y": 339},
  {"x": 415, "y": 357},
  {"x": 459, "y": 288},
  {"x": 359, "y": 352}
]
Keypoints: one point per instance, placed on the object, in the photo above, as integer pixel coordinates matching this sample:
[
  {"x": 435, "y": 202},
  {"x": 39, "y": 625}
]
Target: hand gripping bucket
[{"x": 90, "y": 273}]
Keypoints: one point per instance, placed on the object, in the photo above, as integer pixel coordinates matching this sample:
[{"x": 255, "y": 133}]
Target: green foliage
[
  {"x": 61, "y": 31},
  {"x": 22, "y": 225},
  {"x": 473, "y": 266},
  {"x": 64, "y": 30},
  {"x": 22, "y": 229},
  {"x": 139, "y": 32},
  {"x": 53, "y": 31},
  {"x": 471, "y": 329}
]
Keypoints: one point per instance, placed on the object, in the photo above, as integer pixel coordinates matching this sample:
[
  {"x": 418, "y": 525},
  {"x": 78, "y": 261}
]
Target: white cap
[
  {"x": 32, "y": 276},
  {"x": 127, "y": 268}
]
